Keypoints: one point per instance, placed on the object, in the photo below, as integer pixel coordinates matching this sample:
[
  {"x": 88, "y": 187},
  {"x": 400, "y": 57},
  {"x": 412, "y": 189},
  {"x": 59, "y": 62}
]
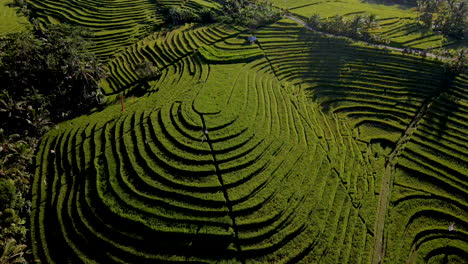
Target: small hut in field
[{"x": 252, "y": 39}]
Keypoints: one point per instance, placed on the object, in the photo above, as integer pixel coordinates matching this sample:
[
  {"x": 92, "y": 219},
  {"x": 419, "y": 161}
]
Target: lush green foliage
[
  {"x": 178, "y": 16},
  {"x": 245, "y": 13},
  {"x": 15, "y": 159},
  {"x": 447, "y": 16},
  {"x": 273, "y": 152},
  {"x": 399, "y": 24},
  {"x": 358, "y": 27},
  {"x": 12, "y": 253},
  {"x": 47, "y": 75},
  {"x": 7, "y": 191},
  {"x": 248, "y": 13},
  {"x": 236, "y": 153}
]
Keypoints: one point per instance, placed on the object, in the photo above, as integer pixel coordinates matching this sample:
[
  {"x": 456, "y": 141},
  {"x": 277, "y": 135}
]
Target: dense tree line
[
  {"x": 249, "y": 13},
  {"x": 358, "y": 27},
  {"x": 47, "y": 76}
]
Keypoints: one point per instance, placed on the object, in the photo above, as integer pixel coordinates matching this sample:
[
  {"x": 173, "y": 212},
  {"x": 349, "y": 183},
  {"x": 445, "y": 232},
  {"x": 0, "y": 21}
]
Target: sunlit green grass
[
  {"x": 397, "y": 23},
  {"x": 11, "y": 19},
  {"x": 270, "y": 153}
]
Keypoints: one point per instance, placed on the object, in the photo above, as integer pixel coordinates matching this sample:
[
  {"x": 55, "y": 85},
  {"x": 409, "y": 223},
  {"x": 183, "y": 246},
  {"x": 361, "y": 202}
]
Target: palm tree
[
  {"x": 338, "y": 24},
  {"x": 12, "y": 253},
  {"x": 356, "y": 26},
  {"x": 370, "y": 21},
  {"x": 315, "y": 21}
]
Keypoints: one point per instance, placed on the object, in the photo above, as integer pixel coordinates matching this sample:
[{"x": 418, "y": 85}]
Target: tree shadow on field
[
  {"x": 448, "y": 251},
  {"x": 444, "y": 108},
  {"x": 402, "y": 4},
  {"x": 336, "y": 70}
]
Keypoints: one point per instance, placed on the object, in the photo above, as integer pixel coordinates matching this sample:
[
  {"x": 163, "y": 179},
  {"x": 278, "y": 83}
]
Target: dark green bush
[
  {"x": 7, "y": 193},
  {"x": 208, "y": 15},
  {"x": 249, "y": 13},
  {"x": 178, "y": 15}
]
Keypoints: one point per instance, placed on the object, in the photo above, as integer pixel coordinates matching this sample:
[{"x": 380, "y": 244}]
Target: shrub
[
  {"x": 179, "y": 16},
  {"x": 249, "y": 13},
  {"x": 357, "y": 28},
  {"x": 207, "y": 15},
  {"x": 146, "y": 70},
  {"x": 7, "y": 193}
]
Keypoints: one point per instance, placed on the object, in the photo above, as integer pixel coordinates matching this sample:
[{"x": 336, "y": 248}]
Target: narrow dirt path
[
  {"x": 225, "y": 193},
  {"x": 302, "y": 22},
  {"x": 389, "y": 176},
  {"x": 388, "y": 179}
]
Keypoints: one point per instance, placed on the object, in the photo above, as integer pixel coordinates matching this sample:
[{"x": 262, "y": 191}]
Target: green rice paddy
[
  {"x": 397, "y": 23},
  {"x": 12, "y": 20},
  {"x": 251, "y": 153}
]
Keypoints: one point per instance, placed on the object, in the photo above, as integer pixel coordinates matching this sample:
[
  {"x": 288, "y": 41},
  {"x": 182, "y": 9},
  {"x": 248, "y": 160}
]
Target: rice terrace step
[{"x": 290, "y": 147}]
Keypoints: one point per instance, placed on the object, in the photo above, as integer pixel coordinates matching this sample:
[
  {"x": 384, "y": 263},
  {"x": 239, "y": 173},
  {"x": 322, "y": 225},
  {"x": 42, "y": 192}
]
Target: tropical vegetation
[{"x": 228, "y": 132}]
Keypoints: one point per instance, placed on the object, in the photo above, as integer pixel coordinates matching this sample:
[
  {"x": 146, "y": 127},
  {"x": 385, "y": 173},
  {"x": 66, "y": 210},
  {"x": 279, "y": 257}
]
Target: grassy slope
[
  {"x": 115, "y": 24},
  {"x": 248, "y": 189},
  {"x": 431, "y": 189},
  {"x": 397, "y": 23},
  {"x": 11, "y": 20},
  {"x": 271, "y": 182}
]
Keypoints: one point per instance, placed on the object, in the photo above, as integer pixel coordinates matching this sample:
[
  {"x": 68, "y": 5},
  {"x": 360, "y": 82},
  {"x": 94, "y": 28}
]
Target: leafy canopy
[{"x": 48, "y": 74}]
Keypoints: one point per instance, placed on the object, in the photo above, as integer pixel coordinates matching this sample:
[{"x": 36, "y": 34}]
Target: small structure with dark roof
[{"x": 252, "y": 39}]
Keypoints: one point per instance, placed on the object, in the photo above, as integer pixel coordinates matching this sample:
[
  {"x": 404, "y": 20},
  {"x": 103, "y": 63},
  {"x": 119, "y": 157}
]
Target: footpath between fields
[
  {"x": 388, "y": 177},
  {"x": 381, "y": 46}
]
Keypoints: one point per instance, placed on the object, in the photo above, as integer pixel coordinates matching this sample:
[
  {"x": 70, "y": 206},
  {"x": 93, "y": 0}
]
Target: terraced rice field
[
  {"x": 114, "y": 24},
  {"x": 12, "y": 21},
  {"x": 431, "y": 185},
  {"x": 397, "y": 23},
  {"x": 273, "y": 152}
]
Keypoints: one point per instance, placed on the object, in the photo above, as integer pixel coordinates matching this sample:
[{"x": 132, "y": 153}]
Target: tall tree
[{"x": 450, "y": 17}]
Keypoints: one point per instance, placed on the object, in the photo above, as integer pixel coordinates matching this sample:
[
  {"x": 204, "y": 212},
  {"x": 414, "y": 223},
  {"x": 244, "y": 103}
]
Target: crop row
[
  {"x": 408, "y": 32},
  {"x": 221, "y": 162},
  {"x": 366, "y": 85},
  {"x": 114, "y": 24},
  {"x": 432, "y": 185},
  {"x": 162, "y": 50}
]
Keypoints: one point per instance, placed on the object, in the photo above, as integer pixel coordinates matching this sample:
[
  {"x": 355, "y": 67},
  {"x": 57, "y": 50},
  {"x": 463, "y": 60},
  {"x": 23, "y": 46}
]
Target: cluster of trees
[
  {"x": 449, "y": 17},
  {"x": 47, "y": 76},
  {"x": 179, "y": 15},
  {"x": 458, "y": 64},
  {"x": 248, "y": 13},
  {"x": 358, "y": 27}
]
